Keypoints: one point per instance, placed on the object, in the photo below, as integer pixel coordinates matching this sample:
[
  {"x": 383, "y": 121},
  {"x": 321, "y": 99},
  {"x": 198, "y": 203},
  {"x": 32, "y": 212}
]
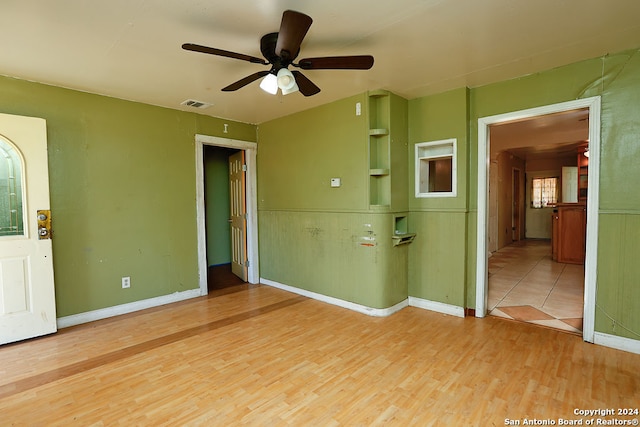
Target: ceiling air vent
[{"x": 195, "y": 104}]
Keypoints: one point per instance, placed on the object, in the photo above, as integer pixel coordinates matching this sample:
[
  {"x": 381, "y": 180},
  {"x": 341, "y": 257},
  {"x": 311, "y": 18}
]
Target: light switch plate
[{"x": 335, "y": 182}]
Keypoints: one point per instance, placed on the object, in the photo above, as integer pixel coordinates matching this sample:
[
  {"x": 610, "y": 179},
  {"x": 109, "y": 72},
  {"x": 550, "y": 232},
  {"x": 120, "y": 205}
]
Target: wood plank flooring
[{"x": 255, "y": 355}]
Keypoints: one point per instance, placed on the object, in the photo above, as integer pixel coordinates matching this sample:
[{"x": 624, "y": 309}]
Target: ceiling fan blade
[
  {"x": 359, "y": 62},
  {"x": 220, "y": 52},
  {"x": 293, "y": 28},
  {"x": 243, "y": 82},
  {"x": 306, "y": 86}
]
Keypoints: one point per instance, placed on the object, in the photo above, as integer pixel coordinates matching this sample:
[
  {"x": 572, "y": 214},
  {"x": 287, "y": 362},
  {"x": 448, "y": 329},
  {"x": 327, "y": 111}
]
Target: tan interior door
[
  {"x": 27, "y": 297},
  {"x": 238, "y": 219}
]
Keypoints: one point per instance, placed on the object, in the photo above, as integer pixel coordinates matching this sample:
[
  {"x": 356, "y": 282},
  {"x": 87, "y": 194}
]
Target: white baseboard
[
  {"x": 619, "y": 343},
  {"x": 369, "y": 311},
  {"x": 440, "y": 307},
  {"x": 103, "y": 313}
]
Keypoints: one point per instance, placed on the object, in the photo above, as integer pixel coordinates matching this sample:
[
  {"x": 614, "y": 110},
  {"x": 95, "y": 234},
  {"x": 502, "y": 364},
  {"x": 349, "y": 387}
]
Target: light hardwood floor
[{"x": 255, "y": 355}]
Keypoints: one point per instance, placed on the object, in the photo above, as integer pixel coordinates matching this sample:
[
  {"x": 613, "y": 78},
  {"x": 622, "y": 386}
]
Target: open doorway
[
  {"x": 527, "y": 281},
  {"x": 224, "y": 188},
  {"x": 215, "y": 158},
  {"x": 491, "y": 228}
]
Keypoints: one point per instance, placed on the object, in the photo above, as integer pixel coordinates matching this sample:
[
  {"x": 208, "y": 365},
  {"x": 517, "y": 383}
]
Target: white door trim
[
  {"x": 250, "y": 149},
  {"x": 593, "y": 103}
]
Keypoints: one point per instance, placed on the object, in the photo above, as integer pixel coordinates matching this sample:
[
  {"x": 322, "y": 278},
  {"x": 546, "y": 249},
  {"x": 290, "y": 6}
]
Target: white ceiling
[
  {"x": 543, "y": 137},
  {"x": 131, "y": 49}
]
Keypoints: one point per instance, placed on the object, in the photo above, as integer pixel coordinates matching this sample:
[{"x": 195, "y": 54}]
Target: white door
[
  {"x": 27, "y": 298},
  {"x": 238, "y": 219}
]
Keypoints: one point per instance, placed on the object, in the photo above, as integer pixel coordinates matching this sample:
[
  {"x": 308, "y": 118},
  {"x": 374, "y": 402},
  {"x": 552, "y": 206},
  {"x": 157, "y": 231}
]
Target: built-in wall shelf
[
  {"x": 378, "y": 172},
  {"x": 403, "y": 239},
  {"x": 386, "y": 129},
  {"x": 379, "y": 208},
  {"x": 379, "y": 149},
  {"x": 379, "y": 193},
  {"x": 400, "y": 226}
]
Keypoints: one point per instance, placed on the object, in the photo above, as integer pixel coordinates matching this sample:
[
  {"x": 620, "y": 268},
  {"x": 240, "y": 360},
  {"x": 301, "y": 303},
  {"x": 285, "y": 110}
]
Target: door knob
[{"x": 44, "y": 224}]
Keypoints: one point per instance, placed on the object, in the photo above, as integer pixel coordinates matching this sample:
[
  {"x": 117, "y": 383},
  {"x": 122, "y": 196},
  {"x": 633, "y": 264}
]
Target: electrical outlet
[{"x": 126, "y": 282}]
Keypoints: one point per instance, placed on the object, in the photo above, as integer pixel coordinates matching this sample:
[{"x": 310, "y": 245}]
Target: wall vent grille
[{"x": 195, "y": 104}]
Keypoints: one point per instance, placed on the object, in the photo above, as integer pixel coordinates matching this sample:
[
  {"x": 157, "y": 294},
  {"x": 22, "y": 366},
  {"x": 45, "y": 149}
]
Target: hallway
[{"x": 526, "y": 285}]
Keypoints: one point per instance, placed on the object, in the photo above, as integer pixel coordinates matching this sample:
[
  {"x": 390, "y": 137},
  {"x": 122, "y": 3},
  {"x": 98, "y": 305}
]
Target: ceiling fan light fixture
[
  {"x": 286, "y": 81},
  {"x": 270, "y": 84},
  {"x": 292, "y": 89}
]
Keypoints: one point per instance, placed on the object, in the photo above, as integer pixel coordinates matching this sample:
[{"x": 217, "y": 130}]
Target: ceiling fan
[{"x": 280, "y": 50}]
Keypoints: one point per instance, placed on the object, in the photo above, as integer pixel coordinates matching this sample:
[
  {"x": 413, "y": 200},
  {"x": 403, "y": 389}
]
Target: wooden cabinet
[
  {"x": 569, "y": 229},
  {"x": 569, "y": 220}
]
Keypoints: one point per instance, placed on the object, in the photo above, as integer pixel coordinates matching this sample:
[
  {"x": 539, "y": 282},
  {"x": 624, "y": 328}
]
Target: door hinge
[
  {"x": 246, "y": 263},
  {"x": 244, "y": 168}
]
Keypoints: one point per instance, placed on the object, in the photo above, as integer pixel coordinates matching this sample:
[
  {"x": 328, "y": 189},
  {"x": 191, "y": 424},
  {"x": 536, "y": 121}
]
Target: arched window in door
[{"x": 11, "y": 216}]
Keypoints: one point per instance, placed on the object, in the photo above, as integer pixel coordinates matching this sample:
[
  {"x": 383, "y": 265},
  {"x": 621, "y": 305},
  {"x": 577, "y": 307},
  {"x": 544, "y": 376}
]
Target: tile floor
[{"x": 525, "y": 284}]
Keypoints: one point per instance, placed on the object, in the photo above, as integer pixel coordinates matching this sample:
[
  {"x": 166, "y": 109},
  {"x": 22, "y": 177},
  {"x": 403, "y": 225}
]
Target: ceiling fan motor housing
[{"x": 268, "y": 49}]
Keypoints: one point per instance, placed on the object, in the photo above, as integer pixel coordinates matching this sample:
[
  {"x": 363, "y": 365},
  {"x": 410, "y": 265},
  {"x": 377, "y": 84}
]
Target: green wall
[
  {"x": 618, "y": 293},
  {"x": 122, "y": 185},
  {"x": 340, "y": 254},
  {"x": 299, "y": 154},
  {"x": 437, "y": 257},
  {"x": 323, "y": 239}
]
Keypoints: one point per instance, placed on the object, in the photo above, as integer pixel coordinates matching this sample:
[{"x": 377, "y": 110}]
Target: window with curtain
[{"x": 544, "y": 192}]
